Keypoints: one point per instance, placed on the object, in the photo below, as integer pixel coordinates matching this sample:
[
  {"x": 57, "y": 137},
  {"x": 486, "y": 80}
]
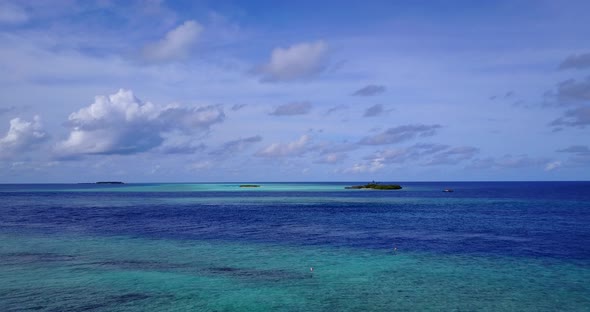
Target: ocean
[{"x": 487, "y": 246}]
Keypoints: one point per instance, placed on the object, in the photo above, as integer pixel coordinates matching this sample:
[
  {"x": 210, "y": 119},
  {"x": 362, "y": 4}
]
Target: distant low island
[
  {"x": 109, "y": 182},
  {"x": 249, "y": 185},
  {"x": 375, "y": 186}
]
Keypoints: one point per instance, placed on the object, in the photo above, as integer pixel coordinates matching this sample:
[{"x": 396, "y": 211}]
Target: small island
[
  {"x": 375, "y": 186},
  {"x": 109, "y": 182},
  {"x": 249, "y": 185}
]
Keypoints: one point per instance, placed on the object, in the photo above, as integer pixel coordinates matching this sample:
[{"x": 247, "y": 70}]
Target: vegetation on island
[
  {"x": 110, "y": 182},
  {"x": 375, "y": 186},
  {"x": 249, "y": 185}
]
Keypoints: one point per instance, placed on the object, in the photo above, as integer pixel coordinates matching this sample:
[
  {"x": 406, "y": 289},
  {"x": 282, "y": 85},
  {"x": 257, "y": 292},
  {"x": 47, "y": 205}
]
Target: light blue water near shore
[{"x": 485, "y": 247}]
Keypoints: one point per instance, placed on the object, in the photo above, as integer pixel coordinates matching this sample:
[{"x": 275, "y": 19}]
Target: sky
[{"x": 211, "y": 91}]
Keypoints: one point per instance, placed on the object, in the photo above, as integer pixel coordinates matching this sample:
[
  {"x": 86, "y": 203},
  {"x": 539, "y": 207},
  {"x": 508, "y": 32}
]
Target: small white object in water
[{"x": 311, "y": 269}]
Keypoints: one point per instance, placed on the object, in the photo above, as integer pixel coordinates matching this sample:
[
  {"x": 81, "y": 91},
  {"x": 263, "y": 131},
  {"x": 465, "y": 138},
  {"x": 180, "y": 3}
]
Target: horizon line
[{"x": 250, "y": 181}]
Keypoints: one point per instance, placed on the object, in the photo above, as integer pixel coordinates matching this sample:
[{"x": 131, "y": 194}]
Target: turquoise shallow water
[
  {"x": 486, "y": 247},
  {"x": 131, "y": 274}
]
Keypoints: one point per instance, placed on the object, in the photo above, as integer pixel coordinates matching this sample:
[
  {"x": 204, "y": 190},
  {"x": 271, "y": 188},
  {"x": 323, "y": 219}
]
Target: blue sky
[{"x": 190, "y": 91}]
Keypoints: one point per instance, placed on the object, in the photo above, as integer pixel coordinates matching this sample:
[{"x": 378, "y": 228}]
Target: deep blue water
[
  {"x": 526, "y": 222},
  {"x": 540, "y": 219}
]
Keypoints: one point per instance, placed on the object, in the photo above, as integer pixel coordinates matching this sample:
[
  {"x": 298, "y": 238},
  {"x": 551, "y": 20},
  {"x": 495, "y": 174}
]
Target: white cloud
[
  {"x": 296, "y": 62},
  {"x": 295, "y": 148},
  {"x": 123, "y": 124},
  {"x": 176, "y": 44},
  {"x": 11, "y": 14},
  {"x": 553, "y": 165},
  {"x": 117, "y": 108},
  {"x": 22, "y": 136}
]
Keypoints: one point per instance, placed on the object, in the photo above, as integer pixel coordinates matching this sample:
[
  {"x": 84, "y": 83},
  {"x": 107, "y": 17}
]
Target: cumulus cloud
[
  {"x": 12, "y": 14},
  {"x": 578, "y": 117},
  {"x": 176, "y": 44},
  {"x": 123, "y": 124},
  {"x": 299, "y": 61},
  {"x": 291, "y": 109},
  {"x": 576, "y": 61},
  {"x": 400, "y": 134},
  {"x": 22, "y": 136},
  {"x": 295, "y": 148},
  {"x": 234, "y": 147},
  {"x": 369, "y": 90}
]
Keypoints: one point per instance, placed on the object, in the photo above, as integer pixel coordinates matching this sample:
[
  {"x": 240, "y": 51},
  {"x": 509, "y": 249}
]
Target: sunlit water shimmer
[{"x": 503, "y": 246}]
